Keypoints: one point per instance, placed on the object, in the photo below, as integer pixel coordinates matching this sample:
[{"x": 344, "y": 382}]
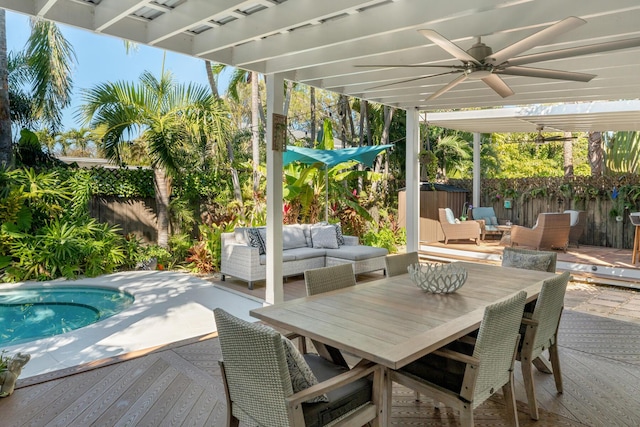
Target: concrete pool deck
[{"x": 169, "y": 306}]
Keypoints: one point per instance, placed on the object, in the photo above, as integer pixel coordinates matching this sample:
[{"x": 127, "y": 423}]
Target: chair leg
[
  {"x": 555, "y": 363},
  {"x": 529, "y": 386},
  {"x": 542, "y": 365},
  {"x": 510, "y": 400},
  {"x": 466, "y": 416}
]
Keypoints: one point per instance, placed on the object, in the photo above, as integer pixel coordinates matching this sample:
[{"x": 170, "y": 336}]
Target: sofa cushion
[
  {"x": 304, "y": 253},
  {"x": 357, "y": 253},
  {"x": 293, "y": 237},
  {"x": 286, "y": 256},
  {"x": 324, "y": 236},
  {"x": 341, "y": 400}
]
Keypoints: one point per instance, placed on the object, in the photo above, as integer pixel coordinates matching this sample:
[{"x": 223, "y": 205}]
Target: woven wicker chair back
[
  {"x": 325, "y": 279},
  {"x": 548, "y": 311},
  {"x": 256, "y": 370},
  {"x": 397, "y": 264},
  {"x": 496, "y": 345}
]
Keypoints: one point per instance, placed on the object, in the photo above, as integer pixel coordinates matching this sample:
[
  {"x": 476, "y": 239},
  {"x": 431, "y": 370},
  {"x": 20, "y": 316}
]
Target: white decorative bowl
[{"x": 438, "y": 278}]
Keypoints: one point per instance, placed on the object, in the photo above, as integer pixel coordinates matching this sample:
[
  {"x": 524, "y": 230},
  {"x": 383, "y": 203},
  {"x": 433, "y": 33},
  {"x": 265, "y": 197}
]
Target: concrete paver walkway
[{"x": 607, "y": 301}]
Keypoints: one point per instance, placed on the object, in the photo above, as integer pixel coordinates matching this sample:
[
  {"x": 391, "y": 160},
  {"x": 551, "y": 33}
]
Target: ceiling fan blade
[
  {"x": 575, "y": 51},
  {"x": 558, "y": 138},
  {"x": 457, "y": 67},
  {"x": 448, "y": 87},
  {"x": 536, "y": 39},
  {"x": 412, "y": 80},
  {"x": 497, "y": 84},
  {"x": 546, "y": 74},
  {"x": 453, "y": 49}
]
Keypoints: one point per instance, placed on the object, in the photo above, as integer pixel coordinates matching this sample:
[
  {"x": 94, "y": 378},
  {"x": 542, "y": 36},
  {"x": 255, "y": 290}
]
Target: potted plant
[
  {"x": 10, "y": 369},
  {"x": 465, "y": 211}
]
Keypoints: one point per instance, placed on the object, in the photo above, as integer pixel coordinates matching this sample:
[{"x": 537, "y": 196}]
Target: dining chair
[
  {"x": 540, "y": 332},
  {"x": 465, "y": 373},
  {"x": 397, "y": 264},
  {"x": 266, "y": 381},
  {"x": 530, "y": 259},
  {"x": 325, "y": 279}
]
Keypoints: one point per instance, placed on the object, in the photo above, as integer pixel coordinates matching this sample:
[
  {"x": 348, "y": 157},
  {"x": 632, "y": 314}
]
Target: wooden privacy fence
[
  {"x": 134, "y": 215},
  {"x": 601, "y": 228},
  {"x": 603, "y": 198}
]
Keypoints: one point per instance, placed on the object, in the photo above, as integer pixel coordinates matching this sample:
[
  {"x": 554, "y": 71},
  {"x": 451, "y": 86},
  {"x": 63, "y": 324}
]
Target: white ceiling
[
  {"x": 320, "y": 42},
  {"x": 574, "y": 117}
]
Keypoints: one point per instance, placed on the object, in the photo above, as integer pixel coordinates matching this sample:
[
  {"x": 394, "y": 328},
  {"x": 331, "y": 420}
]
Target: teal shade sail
[
  {"x": 330, "y": 158},
  {"x": 365, "y": 155}
]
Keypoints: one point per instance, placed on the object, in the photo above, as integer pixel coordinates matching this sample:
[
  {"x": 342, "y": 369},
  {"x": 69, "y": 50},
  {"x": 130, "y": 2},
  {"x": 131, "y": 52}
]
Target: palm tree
[
  {"x": 6, "y": 149},
  {"x": 50, "y": 58},
  {"x": 171, "y": 118},
  {"x": 45, "y": 67}
]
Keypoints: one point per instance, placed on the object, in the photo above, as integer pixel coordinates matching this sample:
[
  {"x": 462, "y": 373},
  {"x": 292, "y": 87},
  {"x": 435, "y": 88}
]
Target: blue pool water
[{"x": 30, "y": 314}]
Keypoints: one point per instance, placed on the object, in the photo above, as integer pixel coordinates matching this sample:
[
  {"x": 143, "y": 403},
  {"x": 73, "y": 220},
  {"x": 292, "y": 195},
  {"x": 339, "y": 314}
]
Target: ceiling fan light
[{"x": 479, "y": 74}]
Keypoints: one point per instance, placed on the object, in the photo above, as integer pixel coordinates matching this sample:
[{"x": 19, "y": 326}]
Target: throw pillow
[
  {"x": 539, "y": 262},
  {"x": 449, "y": 215},
  {"x": 302, "y": 377},
  {"x": 494, "y": 220},
  {"x": 339, "y": 235},
  {"x": 293, "y": 237},
  {"x": 255, "y": 240},
  {"x": 324, "y": 236}
]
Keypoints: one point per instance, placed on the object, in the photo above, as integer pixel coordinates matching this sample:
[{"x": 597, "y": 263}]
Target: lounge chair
[
  {"x": 491, "y": 221},
  {"x": 459, "y": 230},
  {"x": 551, "y": 231},
  {"x": 577, "y": 223}
]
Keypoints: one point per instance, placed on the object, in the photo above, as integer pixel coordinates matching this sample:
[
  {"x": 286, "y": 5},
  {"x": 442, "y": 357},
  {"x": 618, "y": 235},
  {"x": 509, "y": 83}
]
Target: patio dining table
[{"x": 393, "y": 322}]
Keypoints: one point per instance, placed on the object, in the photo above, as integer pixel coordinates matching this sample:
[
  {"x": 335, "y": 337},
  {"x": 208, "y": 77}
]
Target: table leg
[
  {"x": 330, "y": 353},
  {"x": 636, "y": 246},
  {"x": 387, "y": 399}
]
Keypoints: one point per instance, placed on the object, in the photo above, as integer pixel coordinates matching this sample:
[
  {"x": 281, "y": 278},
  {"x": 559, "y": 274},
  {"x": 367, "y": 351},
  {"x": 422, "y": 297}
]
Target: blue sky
[{"x": 103, "y": 58}]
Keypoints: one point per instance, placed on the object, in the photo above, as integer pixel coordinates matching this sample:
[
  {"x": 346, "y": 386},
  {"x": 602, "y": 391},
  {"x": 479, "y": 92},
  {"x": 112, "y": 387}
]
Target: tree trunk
[
  {"x": 568, "y": 155},
  {"x": 211, "y": 79},
  {"x": 343, "y": 109},
  {"x": 255, "y": 134},
  {"x": 161, "y": 184},
  {"x": 384, "y": 139},
  {"x": 287, "y": 96},
  {"x": 237, "y": 191},
  {"x": 596, "y": 153},
  {"x": 6, "y": 149},
  {"x": 312, "y": 96},
  {"x": 363, "y": 117}
]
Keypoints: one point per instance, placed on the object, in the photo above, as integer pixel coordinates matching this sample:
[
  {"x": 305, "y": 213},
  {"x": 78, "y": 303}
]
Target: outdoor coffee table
[{"x": 505, "y": 240}]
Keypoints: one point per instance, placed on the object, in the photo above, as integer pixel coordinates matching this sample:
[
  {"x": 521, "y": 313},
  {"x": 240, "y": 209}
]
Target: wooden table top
[{"x": 391, "y": 321}]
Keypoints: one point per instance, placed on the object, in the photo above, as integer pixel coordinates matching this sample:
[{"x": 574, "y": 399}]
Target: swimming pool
[{"x": 33, "y": 313}]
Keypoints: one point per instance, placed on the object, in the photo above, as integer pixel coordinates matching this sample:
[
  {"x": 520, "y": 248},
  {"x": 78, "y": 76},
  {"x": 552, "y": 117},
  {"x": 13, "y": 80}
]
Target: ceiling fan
[
  {"x": 480, "y": 62},
  {"x": 540, "y": 139}
]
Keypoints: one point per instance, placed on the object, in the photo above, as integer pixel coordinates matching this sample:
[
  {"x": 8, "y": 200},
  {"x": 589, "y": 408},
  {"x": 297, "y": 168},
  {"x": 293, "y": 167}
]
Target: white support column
[
  {"x": 476, "y": 169},
  {"x": 275, "y": 100},
  {"x": 413, "y": 180}
]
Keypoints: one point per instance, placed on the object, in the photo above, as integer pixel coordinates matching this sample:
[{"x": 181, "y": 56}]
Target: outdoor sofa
[{"x": 305, "y": 246}]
